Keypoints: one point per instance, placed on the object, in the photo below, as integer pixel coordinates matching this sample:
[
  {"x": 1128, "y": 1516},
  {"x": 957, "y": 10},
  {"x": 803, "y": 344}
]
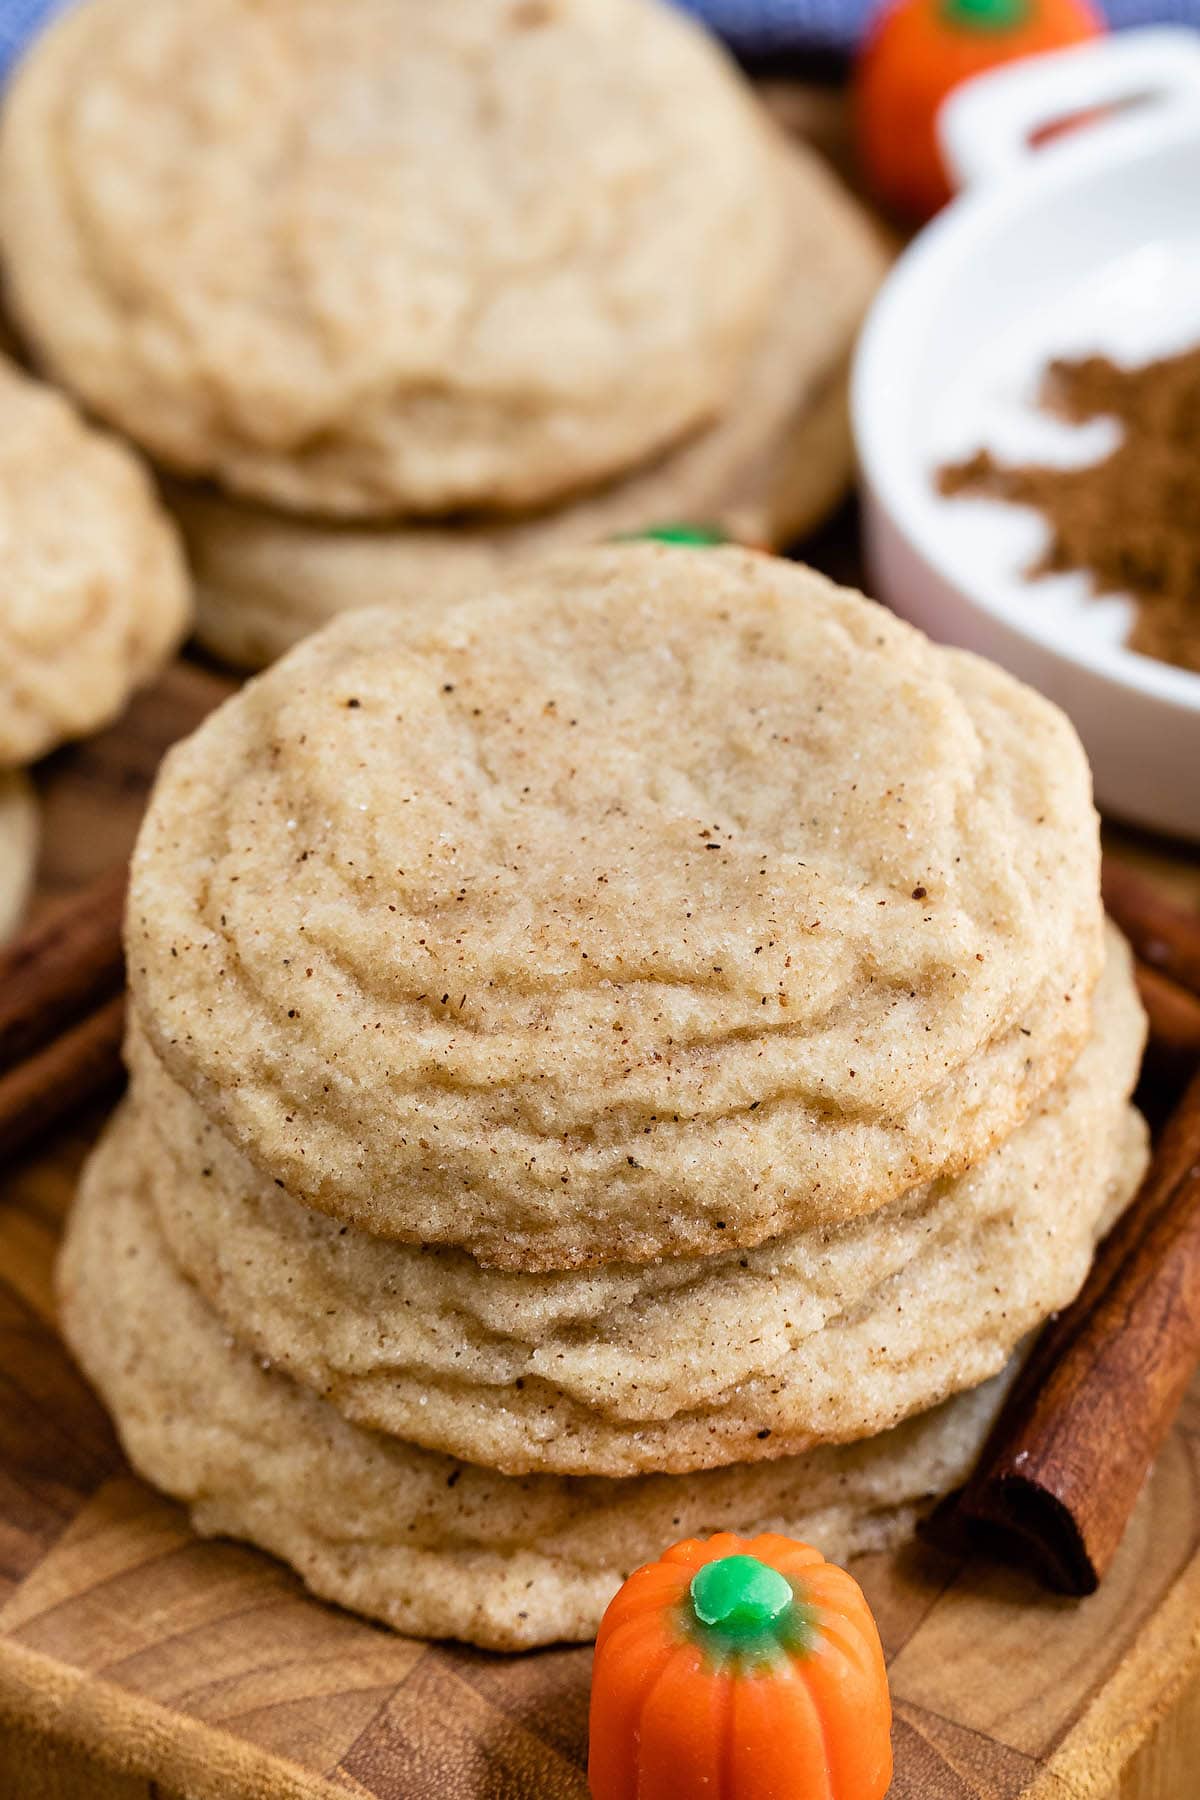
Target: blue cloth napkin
[
  {"x": 755, "y": 28},
  {"x": 758, "y": 28},
  {"x": 19, "y": 19}
]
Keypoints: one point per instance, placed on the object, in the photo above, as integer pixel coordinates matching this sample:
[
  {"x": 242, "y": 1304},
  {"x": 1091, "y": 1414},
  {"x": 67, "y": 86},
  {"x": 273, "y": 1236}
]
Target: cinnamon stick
[
  {"x": 1164, "y": 936},
  {"x": 78, "y": 1065},
  {"x": 1066, "y": 1460},
  {"x": 61, "y": 1012},
  {"x": 62, "y": 968},
  {"x": 1173, "y": 1012}
]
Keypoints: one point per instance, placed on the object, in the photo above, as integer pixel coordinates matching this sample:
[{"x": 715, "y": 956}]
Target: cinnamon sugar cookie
[
  {"x": 682, "y": 1363},
  {"x": 820, "y": 1336},
  {"x": 655, "y": 902},
  {"x": 369, "y": 257},
  {"x": 766, "y": 471},
  {"x": 429, "y": 1545},
  {"x": 94, "y": 595}
]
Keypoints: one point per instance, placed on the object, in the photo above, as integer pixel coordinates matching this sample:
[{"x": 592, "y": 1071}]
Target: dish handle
[{"x": 989, "y": 126}]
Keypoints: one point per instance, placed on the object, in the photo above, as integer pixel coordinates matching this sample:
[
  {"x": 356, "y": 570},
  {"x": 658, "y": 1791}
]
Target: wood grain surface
[{"x": 137, "y": 1661}]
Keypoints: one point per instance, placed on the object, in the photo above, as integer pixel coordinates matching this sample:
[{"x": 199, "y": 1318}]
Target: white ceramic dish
[{"x": 1091, "y": 243}]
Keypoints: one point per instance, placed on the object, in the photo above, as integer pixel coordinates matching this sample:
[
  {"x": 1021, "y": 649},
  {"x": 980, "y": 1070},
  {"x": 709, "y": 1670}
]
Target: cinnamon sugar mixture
[{"x": 1132, "y": 520}]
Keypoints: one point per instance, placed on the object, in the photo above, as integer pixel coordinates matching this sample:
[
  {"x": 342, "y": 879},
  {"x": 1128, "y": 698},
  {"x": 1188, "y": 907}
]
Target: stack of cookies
[
  {"x": 94, "y": 597},
  {"x": 409, "y": 293},
  {"x": 633, "y": 1057}
]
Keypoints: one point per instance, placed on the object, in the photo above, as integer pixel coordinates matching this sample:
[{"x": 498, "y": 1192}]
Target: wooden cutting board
[{"x": 138, "y": 1662}]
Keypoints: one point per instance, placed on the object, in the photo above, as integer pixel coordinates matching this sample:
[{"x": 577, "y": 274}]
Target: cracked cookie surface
[
  {"x": 431, "y": 1546},
  {"x": 657, "y": 901},
  {"x": 94, "y": 595},
  {"x": 766, "y": 471},
  {"x": 372, "y": 257},
  {"x": 825, "y": 1335}
]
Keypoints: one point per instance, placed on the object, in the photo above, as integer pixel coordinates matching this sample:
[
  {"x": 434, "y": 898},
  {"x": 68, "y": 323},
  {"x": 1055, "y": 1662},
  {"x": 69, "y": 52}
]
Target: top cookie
[
  {"x": 94, "y": 594},
  {"x": 367, "y": 257},
  {"x": 659, "y": 900}
]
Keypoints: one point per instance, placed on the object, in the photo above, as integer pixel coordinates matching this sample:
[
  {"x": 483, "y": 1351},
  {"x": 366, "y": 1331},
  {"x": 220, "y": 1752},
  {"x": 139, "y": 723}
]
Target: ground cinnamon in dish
[{"x": 1132, "y": 520}]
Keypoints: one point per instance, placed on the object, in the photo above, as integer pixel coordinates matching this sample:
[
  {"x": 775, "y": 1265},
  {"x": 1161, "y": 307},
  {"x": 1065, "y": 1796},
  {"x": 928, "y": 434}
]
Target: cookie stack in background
[
  {"x": 425, "y": 291},
  {"x": 94, "y": 597},
  {"x": 631, "y": 1058}
]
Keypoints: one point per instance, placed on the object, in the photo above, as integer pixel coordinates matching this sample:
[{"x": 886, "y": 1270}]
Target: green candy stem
[
  {"x": 698, "y": 537},
  {"x": 741, "y": 1607},
  {"x": 986, "y": 15}
]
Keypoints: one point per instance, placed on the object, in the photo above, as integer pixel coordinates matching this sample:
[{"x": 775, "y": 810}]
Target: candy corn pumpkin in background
[
  {"x": 916, "y": 52},
  {"x": 739, "y": 1669}
]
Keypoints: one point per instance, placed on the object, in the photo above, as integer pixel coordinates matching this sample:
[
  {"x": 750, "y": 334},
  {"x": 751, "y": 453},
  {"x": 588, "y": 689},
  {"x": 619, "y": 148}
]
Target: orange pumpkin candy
[
  {"x": 914, "y": 54},
  {"x": 739, "y": 1669}
]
